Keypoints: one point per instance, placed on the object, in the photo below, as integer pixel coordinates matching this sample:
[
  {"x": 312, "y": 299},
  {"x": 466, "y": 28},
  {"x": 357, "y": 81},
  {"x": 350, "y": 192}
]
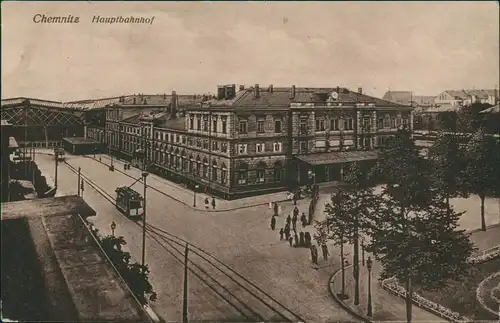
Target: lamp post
[
  {"x": 111, "y": 166},
  {"x": 369, "y": 264},
  {"x": 363, "y": 252},
  {"x": 194, "y": 194},
  {"x": 56, "y": 156},
  {"x": 113, "y": 227}
]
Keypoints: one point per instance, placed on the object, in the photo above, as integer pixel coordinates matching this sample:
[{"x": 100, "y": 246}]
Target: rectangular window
[
  {"x": 277, "y": 126},
  {"x": 277, "y": 147},
  {"x": 303, "y": 146},
  {"x": 205, "y": 144},
  {"x": 205, "y": 123},
  {"x": 348, "y": 124},
  {"x": 393, "y": 123},
  {"x": 260, "y": 175},
  {"x": 198, "y": 123},
  {"x": 191, "y": 123},
  {"x": 334, "y": 125},
  {"x": 243, "y": 127},
  {"x": 214, "y": 124},
  {"x": 367, "y": 124},
  {"x": 242, "y": 149},
  {"x": 260, "y": 148},
  {"x": 223, "y": 176},
  {"x": 223, "y": 147},
  {"x": 215, "y": 146},
  {"x": 260, "y": 126},
  {"x": 303, "y": 126},
  {"x": 387, "y": 122},
  {"x": 224, "y": 125},
  {"x": 320, "y": 125},
  {"x": 380, "y": 123}
]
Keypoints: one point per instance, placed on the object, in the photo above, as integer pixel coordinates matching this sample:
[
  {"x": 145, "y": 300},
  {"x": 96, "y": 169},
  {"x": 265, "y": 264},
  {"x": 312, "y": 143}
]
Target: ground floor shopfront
[{"x": 329, "y": 167}]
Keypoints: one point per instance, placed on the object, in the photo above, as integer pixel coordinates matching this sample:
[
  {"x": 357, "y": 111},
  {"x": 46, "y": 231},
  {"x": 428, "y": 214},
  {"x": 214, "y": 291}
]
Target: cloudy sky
[{"x": 192, "y": 47}]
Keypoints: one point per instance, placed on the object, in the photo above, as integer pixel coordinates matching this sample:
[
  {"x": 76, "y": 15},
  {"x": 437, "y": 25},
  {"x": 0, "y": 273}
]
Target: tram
[
  {"x": 129, "y": 202},
  {"x": 59, "y": 154}
]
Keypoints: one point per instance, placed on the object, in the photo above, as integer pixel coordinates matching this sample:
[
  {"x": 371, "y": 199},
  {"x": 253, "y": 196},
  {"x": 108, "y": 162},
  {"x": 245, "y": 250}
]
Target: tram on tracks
[
  {"x": 129, "y": 202},
  {"x": 59, "y": 154}
]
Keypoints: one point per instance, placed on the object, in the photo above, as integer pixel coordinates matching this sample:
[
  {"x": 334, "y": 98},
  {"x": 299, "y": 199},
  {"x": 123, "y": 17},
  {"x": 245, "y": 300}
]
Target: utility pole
[
  {"x": 185, "y": 298},
  {"x": 144, "y": 176},
  {"x": 56, "y": 155}
]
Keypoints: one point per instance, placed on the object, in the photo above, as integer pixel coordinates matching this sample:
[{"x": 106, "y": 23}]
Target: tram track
[{"x": 236, "y": 290}]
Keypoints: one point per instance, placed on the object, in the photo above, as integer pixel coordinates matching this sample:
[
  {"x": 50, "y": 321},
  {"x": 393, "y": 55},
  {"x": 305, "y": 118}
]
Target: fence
[
  {"x": 314, "y": 201},
  {"x": 391, "y": 285}
]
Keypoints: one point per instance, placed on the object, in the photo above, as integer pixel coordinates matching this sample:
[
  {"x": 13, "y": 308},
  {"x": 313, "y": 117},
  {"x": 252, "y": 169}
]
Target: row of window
[
  {"x": 261, "y": 126},
  {"x": 261, "y": 148},
  {"x": 335, "y": 124},
  {"x": 203, "y": 123}
]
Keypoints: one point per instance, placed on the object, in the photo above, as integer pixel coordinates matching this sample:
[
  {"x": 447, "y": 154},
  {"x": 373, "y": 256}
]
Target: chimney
[
  {"x": 292, "y": 95},
  {"x": 134, "y": 102},
  {"x": 221, "y": 92},
  {"x": 338, "y": 89},
  {"x": 173, "y": 104},
  {"x": 360, "y": 90},
  {"x": 164, "y": 96},
  {"x": 257, "y": 91},
  {"x": 242, "y": 87},
  {"x": 271, "y": 88}
]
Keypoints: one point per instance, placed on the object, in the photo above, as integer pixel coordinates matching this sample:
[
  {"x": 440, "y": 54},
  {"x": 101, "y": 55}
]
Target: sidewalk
[
  {"x": 187, "y": 197},
  {"x": 386, "y": 306}
]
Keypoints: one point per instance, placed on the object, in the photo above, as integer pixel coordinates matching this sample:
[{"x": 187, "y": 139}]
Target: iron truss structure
[{"x": 24, "y": 112}]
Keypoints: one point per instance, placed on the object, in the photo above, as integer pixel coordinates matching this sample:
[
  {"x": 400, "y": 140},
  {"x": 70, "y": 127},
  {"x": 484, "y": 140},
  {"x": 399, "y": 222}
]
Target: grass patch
[{"x": 460, "y": 296}]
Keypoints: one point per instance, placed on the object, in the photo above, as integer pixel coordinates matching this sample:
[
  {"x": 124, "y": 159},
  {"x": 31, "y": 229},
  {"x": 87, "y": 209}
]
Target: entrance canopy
[{"x": 339, "y": 157}]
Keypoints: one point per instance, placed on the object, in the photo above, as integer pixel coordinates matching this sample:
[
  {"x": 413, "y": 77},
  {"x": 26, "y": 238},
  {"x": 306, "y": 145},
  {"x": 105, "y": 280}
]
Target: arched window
[
  {"x": 205, "y": 167},
  {"x": 278, "y": 172},
  {"x": 214, "y": 170},
  {"x": 191, "y": 164},
  {"x": 260, "y": 172},
  {"x": 198, "y": 165},
  {"x": 223, "y": 174},
  {"x": 172, "y": 159},
  {"x": 242, "y": 173}
]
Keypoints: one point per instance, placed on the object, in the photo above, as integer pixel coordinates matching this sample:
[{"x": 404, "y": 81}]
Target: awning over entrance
[{"x": 338, "y": 157}]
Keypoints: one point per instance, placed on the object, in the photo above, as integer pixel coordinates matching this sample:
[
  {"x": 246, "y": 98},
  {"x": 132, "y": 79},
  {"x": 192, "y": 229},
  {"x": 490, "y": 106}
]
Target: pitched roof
[
  {"x": 403, "y": 97},
  {"x": 466, "y": 94},
  {"x": 282, "y": 96}
]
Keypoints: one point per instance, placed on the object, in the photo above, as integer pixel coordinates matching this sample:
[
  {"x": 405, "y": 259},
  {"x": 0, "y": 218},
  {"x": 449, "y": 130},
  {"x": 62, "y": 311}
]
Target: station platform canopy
[
  {"x": 338, "y": 157},
  {"x": 82, "y": 146}
]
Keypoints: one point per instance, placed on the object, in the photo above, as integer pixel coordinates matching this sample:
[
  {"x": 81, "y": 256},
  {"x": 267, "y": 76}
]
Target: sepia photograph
[{"x": 250, "y": 161}]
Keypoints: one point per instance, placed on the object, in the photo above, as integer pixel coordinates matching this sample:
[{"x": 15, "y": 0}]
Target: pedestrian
[
  {"x": 303, "y": 219},
  {"x": 295, "y": 212},
  {"x": 294, "y": 219},
  {"x": 287, "y": 234},
  {"x": 324, "y": 249},
  {"x": 207, "y": 203},
  {"x": 301, "y": 239},
  {"x": 276, "y": 209},
  {"x": 312, "y": 254},
  {"x": 290, "y": 240},
  {"x": 296, "y": 240},
  {"x": 273, "y": 223},
  {"x": 213, "y": 202},
  {"x": 281, "y": 233},
  {"x": 294, "y": 199},
  {"x": 288, "y": 219},
  {"x": 315, "y": 255},
  {"x": 307, "y": 238}
]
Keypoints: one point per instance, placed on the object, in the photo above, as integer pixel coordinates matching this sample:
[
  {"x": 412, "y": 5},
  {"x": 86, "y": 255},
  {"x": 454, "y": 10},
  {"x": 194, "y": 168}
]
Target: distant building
[
  {"x": 409, "y": 98},
  {"x": 455, "y": 99},
  {"x": 254, "y": 140}
]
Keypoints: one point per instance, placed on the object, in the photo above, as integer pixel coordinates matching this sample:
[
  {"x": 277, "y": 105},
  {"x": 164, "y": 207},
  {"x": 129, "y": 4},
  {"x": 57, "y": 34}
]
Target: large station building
[{"x": 253, "y": 140}]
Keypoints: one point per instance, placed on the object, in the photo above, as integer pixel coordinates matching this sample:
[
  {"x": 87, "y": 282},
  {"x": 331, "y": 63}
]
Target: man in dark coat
[
  {"x": 294, "y": 198},
  {"x": 281, "y": 233},
  {"x": 290, "y": 240},
  {"x": 275, "y": 208},
  {"x": 301, "y": 240},
  {"x": 296, "y": 240},
  {"x": 273, "y": 223},
  {"x": 213, "y": 202},
  {"x": 303, "y": 219},
  {"x": 324, "y": 249},
  {"x": 288, "y": 219},
  {"x": 315, "y": 255},
  {"x": 307, "y": 238}
]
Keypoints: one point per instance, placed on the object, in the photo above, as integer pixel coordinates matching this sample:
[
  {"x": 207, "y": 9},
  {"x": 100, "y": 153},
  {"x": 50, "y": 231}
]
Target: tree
[
  {"x": 482, "y": 164},
  {"x": 333, "y": 227},
  {"x": 347, "y": 216},
  {"x": 469, "y": 119},
  {"x": 413, "y": 228},
  {"x": 135, "y": 275},
  {"x": 448, "y": 166}
]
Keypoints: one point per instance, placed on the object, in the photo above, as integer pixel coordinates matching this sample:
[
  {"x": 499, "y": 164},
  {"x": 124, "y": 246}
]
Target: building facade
[{"x": 254, "y": 140}]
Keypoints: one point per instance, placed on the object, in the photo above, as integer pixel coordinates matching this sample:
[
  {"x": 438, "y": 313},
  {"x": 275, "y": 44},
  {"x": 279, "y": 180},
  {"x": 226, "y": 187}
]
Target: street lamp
[
  {"x": 194, "y": 194},
  {"x": 363, "y": 251},
  {"x": 111, "y": 166},
  {"x": 56, "y": 156},
  {"x": 369, "y": 264},
  {"x": 113, "y": 227}
]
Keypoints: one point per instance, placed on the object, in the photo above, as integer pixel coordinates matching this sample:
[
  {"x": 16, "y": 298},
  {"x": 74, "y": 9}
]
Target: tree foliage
[
  {"x": 482, "y": 167},
  {"x": 134, "y": 274}
]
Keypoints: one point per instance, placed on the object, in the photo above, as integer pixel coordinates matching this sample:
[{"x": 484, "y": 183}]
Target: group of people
[
  {"x": 301, "y": 239},
  {"x": 207, "y": 203}
]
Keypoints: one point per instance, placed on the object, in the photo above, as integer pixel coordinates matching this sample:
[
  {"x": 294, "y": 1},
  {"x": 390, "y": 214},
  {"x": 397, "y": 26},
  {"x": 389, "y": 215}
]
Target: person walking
[
  {"x": 207, "y": 203},
  {"x": 324, "y": 249},
  {"x": 213, "y": 202},
  {"x": 307, "y": 239},
  {"x": 290, "y": 240},
  {"x": 275, "y": 209},
  {"x": 273, "y": 222},
  {"x": 296, "y": 240},
  {"x": 294, "y": 198},
  {"x": 301, "y": 239},
  {"x": 288, "y": 219},
  {"x": 281, "y": 233},
  {"x": 315, "y": 255},
  {"x": 303, "y": 219}
]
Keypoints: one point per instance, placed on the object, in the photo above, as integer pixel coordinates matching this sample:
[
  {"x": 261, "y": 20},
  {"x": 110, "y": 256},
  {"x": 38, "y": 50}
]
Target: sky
[{"x": 192, "y": 47}]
